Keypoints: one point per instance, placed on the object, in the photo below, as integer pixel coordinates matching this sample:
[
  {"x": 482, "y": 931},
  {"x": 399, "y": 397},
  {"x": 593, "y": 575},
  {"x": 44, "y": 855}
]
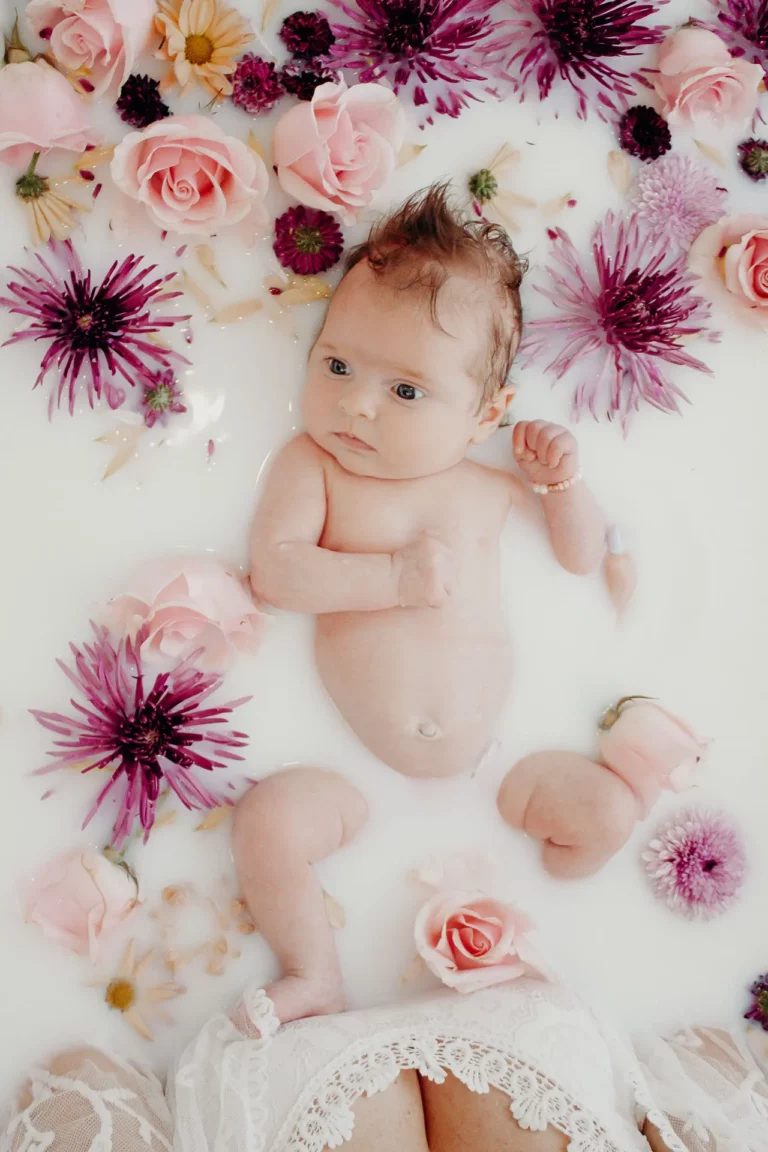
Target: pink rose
[
  {"x": 190, "y": 176},
  {"x": 649, "y": 749},
  {"x": 79, "y": 899},
  {"x": 96, "y": 40},
  {"x": 731, "y": 257},
  {"x": 188, "y": 603},
  {"x": 471, "y": 941},
  {"x": 337, "y": 150},
  {"x": 699, "y": 79},
  {"x": 39, "y": 111}
]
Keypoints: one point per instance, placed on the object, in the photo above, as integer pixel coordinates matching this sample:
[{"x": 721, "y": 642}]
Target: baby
[{"x": 375, "y": 521}]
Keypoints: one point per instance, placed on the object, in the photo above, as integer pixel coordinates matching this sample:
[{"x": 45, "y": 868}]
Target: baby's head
[{"x": 413, "y": 360}]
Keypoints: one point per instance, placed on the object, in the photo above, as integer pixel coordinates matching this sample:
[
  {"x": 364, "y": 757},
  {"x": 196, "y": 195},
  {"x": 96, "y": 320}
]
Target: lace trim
[{"x": 323, "y": 1115}]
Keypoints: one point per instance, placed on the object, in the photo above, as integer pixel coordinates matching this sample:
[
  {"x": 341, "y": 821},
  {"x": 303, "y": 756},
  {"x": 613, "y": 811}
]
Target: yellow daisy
[
  {"x": 126, "y": 992},
  {"x": 51, "y": 212},
  {"x": 202, "y": 39}
]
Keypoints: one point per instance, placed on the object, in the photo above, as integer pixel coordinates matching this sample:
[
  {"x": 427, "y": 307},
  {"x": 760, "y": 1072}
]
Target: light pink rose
[
  {"x": 338, "y": 149},
  {"x": 190, "y": 176},
  {"x": 731, "y": 257},
  {"x": 40, "y": 111},
  {"x": 471, "y": 941},
  {"x": 79, "y": 899},
  {"x": 650, "y": 750},
  {"x": 188, "y": 603},
  {"x": 699, "y": 80},
  {"x": 96, "y": 40}
]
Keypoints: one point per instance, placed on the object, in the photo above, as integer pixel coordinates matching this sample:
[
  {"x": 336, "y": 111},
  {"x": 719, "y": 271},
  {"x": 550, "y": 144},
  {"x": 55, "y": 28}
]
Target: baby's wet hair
[{"x": 427, "y": 239}]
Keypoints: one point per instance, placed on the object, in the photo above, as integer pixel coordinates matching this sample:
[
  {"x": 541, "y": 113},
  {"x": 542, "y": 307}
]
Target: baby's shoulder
[{"x": 494, "y": 482}]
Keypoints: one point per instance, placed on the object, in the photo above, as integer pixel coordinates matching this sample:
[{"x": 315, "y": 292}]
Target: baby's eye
[
  {"x": 337, "y": 367},
  {"x": 408, "y": 392}
]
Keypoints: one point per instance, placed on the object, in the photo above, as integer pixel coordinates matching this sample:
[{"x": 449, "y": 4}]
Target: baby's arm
[
  {"x": 548, "y": 454},
  {"x": 289, "y": 569}
]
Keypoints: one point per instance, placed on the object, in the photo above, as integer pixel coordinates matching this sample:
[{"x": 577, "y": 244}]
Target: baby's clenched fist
[
  {"x": 424, "y": 573},
  {"x": 545, "y": 453}
]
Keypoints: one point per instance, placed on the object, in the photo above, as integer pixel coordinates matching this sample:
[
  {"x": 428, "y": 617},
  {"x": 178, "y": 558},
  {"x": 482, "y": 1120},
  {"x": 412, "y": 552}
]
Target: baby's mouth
[{"x": 354, "y": 442}]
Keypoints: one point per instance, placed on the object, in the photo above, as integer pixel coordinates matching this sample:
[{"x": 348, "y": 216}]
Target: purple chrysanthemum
[
  {"x": 753, "y": 158},
  {"x": 743, "y": 24},
  {"x": 758, "y": 1012},
  {"x": 589, "y": 45},
  {"x": 301, "y": 77},
  {"x": 140, "y": 103},
  {"x": 676, "y": 199},
  {"x": 644, "y": 133},
  {"x": 435, "y": 51},
  {"x": 696, "y": 863},
  {"x": 103, "y": 330},
  {"x": 256, "y": 85},
  {"x": 307, "y": 34},
  {"x": 146, "y": 736},
  {"x": 618, "y": 321},
  {"x": 161, "y": 396},
  {"x": 307, "y": 240}
]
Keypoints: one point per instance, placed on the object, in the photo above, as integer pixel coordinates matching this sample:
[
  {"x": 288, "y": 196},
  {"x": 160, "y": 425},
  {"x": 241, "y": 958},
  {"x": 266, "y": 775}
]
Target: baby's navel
[{"x": 428, "y": 730}]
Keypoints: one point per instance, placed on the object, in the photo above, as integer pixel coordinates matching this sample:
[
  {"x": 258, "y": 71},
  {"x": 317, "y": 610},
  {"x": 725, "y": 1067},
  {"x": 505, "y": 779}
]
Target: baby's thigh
[
  {"x": 390, "y": 1121},
  {"x": 458, "y": 1119}
]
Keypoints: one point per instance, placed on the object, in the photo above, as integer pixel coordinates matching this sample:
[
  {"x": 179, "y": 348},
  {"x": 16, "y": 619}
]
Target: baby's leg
[
  {"x": 390, "y": 1121},
  {"x": 580, "y": 811},
  {"x": 283, "y": 826},
  {"x": 458, "y": 1119}
]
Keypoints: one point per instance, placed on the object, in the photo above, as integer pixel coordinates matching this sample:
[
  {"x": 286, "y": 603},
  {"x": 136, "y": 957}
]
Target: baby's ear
[{"x": 493, "y": 414}]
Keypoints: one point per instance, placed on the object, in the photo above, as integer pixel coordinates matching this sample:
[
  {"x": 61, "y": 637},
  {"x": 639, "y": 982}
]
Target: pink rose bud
[
  {"x": 649, "y": 749},
  {"x": 40, "y": 111},
  {"x": 471, "y": 941},
  {"x": 79, "y": 899},
  {"x": 698, "y": 79}
]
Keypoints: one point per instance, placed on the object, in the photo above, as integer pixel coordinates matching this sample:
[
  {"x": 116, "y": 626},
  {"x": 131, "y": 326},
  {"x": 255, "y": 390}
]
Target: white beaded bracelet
[{"x": 563, "y": 486}]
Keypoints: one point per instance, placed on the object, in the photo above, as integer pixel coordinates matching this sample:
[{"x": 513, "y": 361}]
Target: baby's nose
[{"x": 358, "y": 400}]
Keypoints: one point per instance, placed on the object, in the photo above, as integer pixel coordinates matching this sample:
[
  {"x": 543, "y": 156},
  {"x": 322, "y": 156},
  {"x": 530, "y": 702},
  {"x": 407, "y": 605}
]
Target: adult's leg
[
  {"x": 283, "y": 826},
  {"x": 458, "y": 1119}
]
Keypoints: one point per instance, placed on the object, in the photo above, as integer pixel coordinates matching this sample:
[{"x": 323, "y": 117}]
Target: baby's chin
[{"x": 368, "y": 462}]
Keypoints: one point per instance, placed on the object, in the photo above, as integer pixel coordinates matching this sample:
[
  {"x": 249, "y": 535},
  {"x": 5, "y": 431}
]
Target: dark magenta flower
[
  {"x": 307, "y": 240},
  {"x": 307, "y": 34},
  {"x": 753, "y": 158},
  {"x": 102, "y": 330},
  {"x": 759, "y": 1009},
  {"x": 147, "y": 735},
  {"x": 696, "y": 863},
  {"x": 256, "y": 86},
  {"x": 589, "y": 45},
  {"x": 301, "y": 77},
  {"x": 161, "y": 396},
  {"x": 743, "y": 25},
  {"x": 644, "y": 133},
  {"x": 619, "y": 319},
  {"x": 435, "y": 51},
  {"x": 140, "y": 103}
]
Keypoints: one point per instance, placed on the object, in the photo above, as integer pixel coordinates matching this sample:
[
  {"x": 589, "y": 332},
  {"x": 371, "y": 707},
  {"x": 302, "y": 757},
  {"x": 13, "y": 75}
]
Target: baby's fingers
[{"x": 518, "y": 440}]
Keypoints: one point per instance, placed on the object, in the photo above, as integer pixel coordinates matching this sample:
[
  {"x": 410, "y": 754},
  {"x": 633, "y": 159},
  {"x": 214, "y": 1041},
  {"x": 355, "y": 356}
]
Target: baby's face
[{"x": 388, "y": 393}]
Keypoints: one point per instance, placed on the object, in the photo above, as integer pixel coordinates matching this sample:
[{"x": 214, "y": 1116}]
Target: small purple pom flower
[
  {"x": 676, "y": 199},
  {"x": 256, "y": 86},
  {"x": 759, "y": 1009},
  {"x": 644, "y": 133},
  {"x": 300, "y": 78},
  {"x": 753, "y": 158},
  {"x": 696, "y": 863},
  {"x": 140, "y": 103},
  {"x": 307, "y": 34},
  {"x": 307, "y": 240}
]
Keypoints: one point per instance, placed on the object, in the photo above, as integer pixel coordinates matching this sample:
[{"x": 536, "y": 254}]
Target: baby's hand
[
  {"x": 546, "y": 453},
  {"x": 424, "y": 573}
]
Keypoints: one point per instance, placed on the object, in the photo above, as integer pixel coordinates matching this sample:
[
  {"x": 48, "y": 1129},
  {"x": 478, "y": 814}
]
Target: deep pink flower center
[
  {"x": 89, "y": 320},
  {"x": 637, "y": 312},
  {"x": 408, "y": 28},
  {"x": 147, "y": 734},
  {"x": 582, "y": 30}
]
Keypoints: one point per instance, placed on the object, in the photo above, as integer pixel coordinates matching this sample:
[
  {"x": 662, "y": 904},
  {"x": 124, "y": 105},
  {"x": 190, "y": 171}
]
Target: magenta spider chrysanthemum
[
  {"x": 619, "y": 320},
  {"x": 676, "y": 199},
  {"x": 591, "y": 45},
  {"x": 145, "y": 735},
  {"x": 435, "y": 51},
  {"x": 696, "y": 863},
  {"x": 100, "y": 330},
  {"x": 743, "y": 25}
]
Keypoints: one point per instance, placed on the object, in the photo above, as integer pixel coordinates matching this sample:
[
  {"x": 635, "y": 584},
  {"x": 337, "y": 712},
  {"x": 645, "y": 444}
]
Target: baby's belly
[{"x": 420, "y": 688}]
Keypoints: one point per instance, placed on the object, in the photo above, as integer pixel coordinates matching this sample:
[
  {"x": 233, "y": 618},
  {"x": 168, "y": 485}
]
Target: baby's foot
[{"x": 296, "y": 997}]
